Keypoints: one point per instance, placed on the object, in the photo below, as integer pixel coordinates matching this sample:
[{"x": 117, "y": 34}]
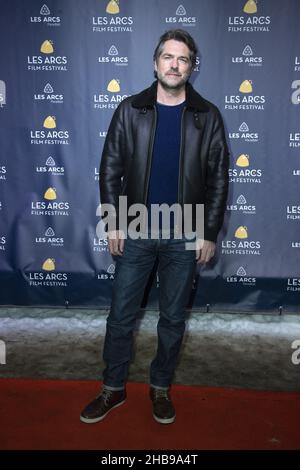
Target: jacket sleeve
[
  {"x": 216, "y": 181},
  {"x": 112, "y": 162}
]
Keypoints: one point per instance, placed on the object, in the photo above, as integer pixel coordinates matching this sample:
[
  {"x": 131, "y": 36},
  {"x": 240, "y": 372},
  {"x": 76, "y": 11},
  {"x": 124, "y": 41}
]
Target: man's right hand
[{"x": 116, "y": 242}]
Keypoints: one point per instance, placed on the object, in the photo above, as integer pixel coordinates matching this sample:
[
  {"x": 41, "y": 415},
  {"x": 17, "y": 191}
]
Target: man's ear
[{"x": 155, "y": 66}]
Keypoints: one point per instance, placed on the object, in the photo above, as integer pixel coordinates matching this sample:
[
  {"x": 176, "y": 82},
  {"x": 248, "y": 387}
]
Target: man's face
[{"x": 173, "y": 67}]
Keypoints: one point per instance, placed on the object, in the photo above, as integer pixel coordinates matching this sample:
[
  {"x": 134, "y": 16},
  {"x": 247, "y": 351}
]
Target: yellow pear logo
[
  {"x": 113, "y": 7},
  {"x": 243, "y": 160},
  {"x": 50, "y": 122},
  {"x": 246, "y": 86},
  {"x": 47, "y": 47},
  {"x": 241, "y": 232},
  {"x": 114, "y": 86},
  {"x": 50, "y": 194},
  {"x": 250, "y": 7},
  {"x": 49, "y": 265}
]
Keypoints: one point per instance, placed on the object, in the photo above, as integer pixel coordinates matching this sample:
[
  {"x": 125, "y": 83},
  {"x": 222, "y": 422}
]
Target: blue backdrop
[{"x": 64, "y": 67}]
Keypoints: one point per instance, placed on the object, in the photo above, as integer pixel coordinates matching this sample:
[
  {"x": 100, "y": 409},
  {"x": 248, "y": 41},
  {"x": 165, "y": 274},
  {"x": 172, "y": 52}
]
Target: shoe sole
[
  {"x": 164, "y": 420},
  {"x": 96, "y": 420}
]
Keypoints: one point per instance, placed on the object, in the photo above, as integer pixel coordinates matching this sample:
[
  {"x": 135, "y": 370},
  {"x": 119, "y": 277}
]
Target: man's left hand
[{"x": 205, "y": 250}]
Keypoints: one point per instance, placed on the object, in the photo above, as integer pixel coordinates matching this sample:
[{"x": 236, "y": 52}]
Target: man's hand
[
  {"x": 205, "y": 250},
  {"x": 116, "y": 242}
]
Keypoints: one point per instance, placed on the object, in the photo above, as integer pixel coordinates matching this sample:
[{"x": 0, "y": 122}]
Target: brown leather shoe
[
  {"x": 102, "y": 405},
  {"x": 163, "y": 409}
]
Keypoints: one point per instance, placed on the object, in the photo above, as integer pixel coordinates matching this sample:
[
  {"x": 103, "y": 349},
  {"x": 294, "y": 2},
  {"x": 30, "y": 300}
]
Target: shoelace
[
  {"x": 159, "y": 393},
  {"x": 106, "y": 394}
]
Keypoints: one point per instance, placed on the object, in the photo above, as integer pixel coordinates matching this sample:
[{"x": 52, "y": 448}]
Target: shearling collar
[{"x": 147, "y": 98}]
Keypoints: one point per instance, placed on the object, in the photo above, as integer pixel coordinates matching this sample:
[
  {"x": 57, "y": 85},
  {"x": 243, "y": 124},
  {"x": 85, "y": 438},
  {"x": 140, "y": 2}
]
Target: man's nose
[{"x": 174, "y": 64}]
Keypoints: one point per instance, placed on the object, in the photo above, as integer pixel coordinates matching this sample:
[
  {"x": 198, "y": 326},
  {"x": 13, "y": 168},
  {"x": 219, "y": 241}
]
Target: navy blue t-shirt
[{"x": 163, "y": 184}]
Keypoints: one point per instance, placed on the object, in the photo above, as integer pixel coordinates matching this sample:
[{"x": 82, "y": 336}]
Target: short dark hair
[{"x": 178, "y": 35}]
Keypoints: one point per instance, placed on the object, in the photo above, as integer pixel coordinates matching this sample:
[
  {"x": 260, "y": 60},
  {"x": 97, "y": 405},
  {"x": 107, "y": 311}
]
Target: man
[{"x": 164, "y": 145}]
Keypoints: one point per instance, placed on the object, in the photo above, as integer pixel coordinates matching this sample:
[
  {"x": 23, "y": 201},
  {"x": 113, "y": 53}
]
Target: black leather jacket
[{"x": 203, "y": 167}]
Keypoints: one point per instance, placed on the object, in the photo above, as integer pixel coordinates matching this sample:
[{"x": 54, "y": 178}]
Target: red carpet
[{"x": 44, "y": 414}]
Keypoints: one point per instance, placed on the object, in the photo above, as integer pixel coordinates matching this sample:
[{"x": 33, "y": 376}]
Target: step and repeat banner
[{"x": 65, "y": 66}]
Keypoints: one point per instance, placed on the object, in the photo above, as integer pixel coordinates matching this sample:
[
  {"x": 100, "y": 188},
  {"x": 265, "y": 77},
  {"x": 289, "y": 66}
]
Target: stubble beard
[{"x": 170, "y": 86}]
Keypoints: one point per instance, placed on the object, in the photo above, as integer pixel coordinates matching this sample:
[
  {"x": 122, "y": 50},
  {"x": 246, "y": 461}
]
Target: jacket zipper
[
  {"x": 180, "y": 158},
  {"x": 149, "y": 160}
]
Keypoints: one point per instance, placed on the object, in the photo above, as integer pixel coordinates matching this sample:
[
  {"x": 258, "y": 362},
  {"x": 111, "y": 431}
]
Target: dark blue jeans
[{"x": 176, "y": 267}]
